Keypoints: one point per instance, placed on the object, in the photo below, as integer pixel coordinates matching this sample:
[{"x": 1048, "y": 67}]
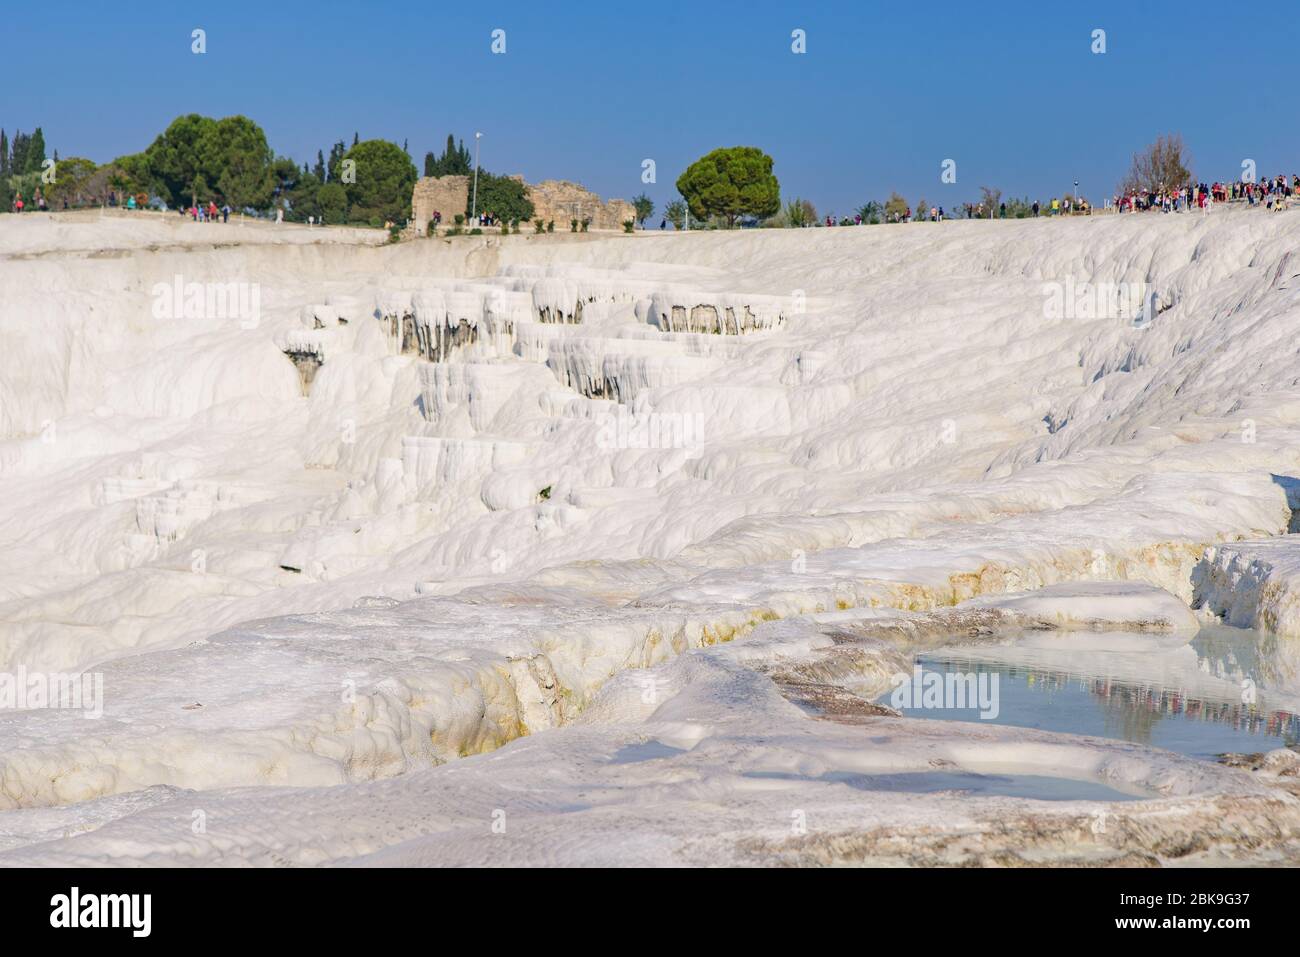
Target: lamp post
[{"x": 473, "y": 212}]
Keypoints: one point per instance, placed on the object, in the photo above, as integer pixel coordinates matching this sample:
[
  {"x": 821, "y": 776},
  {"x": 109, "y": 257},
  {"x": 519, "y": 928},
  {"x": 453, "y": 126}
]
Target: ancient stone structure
[
  {"x": 445, "y": 194},
  {"x": 553, "y": 199}
]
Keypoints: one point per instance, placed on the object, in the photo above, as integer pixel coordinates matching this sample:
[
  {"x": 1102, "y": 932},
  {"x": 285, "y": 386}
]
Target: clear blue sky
[{"x": 586, "y": 90}]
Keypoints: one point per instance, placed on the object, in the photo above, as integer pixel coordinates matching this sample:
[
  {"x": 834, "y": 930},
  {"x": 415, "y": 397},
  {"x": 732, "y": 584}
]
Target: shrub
[
  {"x": 573, "y": 225},
  {"x": 460, "y": 219},
  {"x": 538, "y": 225},
  {"x": 800, "y": 212},
  {"x": 870, "y": 212},
  {"x": 895, "y": 208},
  {"x": 628, "y": 224},
  {"x": 644, "y": 207},
  {"x": 550, "y": 226},
  {"x": 476, "y": 231},
  {"x": 332, "y": 204},
  {"x": 585, "y": 223}
]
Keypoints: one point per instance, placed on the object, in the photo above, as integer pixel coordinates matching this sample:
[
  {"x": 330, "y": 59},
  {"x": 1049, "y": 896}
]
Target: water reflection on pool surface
[{"x": 1228, "y": 690}]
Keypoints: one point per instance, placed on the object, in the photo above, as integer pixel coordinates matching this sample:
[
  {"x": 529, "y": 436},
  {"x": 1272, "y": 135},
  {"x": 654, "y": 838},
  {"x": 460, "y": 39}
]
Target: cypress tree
[
  {"x": 18, "y": 157},
  {"x": 35, "y": 152}
]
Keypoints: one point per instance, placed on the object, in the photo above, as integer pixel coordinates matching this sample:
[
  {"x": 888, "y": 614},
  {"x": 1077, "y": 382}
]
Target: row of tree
[
  {"x": 800, "y": 212},
  {"x": 198, "y": 159},
  {"x": 454, "y": 161},
  {"x": 26, "y": 154},
  {"x": 735, "y": 184},
  {"x": 228, "y": 160}
]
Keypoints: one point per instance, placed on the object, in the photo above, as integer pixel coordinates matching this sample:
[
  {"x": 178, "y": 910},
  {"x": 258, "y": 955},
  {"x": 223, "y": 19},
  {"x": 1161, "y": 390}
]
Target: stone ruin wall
[
  {"x": 448, "y": 195},
  {"x": 553, "y": 199},
  {"x": 561, "y": 201}
]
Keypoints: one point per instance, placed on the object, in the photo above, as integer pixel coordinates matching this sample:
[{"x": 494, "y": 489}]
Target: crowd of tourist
[
  {"x": 209, "y": 213},
  {"x": 1272, "y": 194}
]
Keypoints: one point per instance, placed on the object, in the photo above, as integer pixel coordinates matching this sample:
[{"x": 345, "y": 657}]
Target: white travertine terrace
[{"x": 453, "y": 538}]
